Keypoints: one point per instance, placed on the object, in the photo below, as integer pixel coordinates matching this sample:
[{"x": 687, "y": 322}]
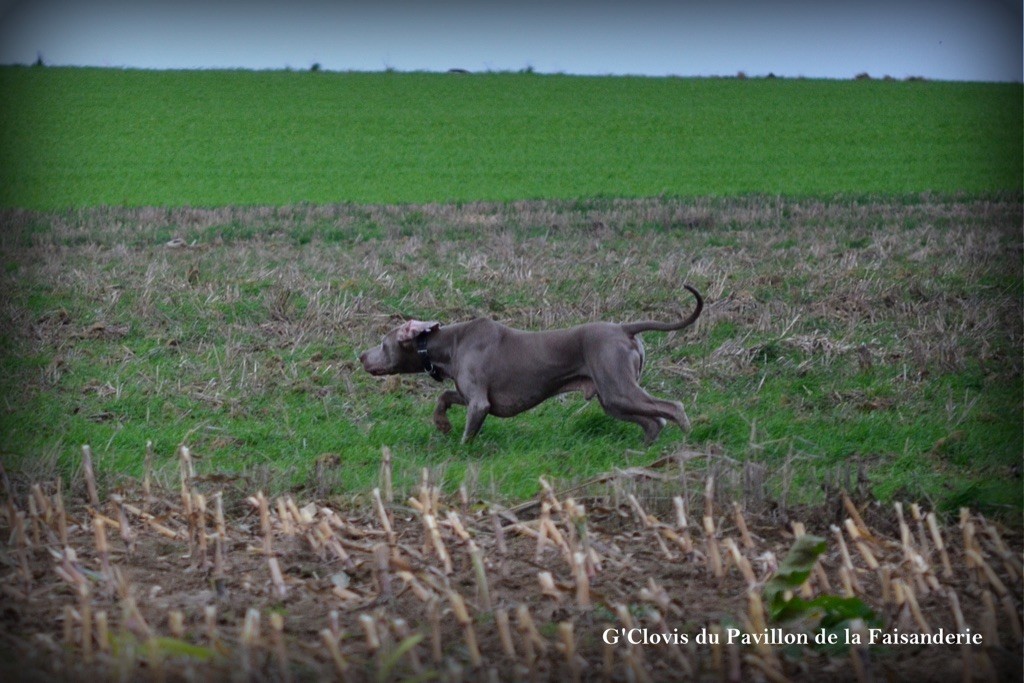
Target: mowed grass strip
[
  {"x": 874, "y": 335},
  {"x": 72, "y": 137}
]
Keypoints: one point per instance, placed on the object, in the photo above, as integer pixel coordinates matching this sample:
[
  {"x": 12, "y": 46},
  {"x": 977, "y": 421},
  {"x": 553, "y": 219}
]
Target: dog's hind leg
[{"x": 623, "y": 398}]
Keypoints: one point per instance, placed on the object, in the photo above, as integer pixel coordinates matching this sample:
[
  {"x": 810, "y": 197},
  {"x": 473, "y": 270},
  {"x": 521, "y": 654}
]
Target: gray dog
[{"x": 501, "y": 371}]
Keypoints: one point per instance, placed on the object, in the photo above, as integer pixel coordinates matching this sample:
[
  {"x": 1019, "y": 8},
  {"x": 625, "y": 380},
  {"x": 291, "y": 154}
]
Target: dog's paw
[
  {"x": 681, "y": 418},
  {"x": 442, "y": 423}
]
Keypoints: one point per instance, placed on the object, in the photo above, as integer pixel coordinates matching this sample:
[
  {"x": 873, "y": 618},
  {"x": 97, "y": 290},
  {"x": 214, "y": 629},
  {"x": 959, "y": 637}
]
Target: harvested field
[
  {"x": 859, "y": 350},
  {"x": 150, "y": 584}
]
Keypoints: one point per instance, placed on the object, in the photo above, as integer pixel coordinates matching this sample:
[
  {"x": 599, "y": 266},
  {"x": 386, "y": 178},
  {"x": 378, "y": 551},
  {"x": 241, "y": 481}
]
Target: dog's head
[{"x": 396, "y": 353}]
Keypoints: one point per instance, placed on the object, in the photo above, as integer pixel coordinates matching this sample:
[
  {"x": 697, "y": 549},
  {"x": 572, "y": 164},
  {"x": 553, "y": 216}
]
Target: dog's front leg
[
  {"x": 444, "y": 402},
  {"x": 476, "y": 411}
]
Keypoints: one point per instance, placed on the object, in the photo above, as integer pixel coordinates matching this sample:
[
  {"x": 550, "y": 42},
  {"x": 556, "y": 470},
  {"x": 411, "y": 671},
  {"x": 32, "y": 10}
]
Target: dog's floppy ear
[{"x": 414, "y": 328}]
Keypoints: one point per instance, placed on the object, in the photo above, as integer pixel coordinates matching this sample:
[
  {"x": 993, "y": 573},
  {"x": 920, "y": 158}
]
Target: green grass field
[
  {"x": 89, "y": 137},
  {"x": 883, "y": 335}
]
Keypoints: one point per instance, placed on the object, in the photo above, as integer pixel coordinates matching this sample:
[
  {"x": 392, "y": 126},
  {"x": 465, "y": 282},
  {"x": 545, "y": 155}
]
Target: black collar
[{"x": 428, "y": 367}]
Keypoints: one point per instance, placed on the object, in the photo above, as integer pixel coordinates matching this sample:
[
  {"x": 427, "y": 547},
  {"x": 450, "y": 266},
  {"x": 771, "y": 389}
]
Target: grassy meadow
[
  {"x": 90, "y": 137},
  {"x": 878, "y": 335}
]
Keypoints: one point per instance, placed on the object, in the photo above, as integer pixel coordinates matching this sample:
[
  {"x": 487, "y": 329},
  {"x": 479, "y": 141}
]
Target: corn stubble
[{"x": 433, "y": 588}]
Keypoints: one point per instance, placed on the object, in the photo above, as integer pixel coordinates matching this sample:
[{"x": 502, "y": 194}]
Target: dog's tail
[{"x": 653, "y": 325}]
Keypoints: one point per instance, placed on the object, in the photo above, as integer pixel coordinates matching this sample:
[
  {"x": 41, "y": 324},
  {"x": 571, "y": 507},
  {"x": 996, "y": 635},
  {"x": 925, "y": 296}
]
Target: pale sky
[{"x": 966, "y": 40}]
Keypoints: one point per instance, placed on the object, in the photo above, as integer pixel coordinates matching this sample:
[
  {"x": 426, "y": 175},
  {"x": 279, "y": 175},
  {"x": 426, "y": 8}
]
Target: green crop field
[
  {"x": 858, "y": 243},
  {"x": 88, "y": 137}
]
